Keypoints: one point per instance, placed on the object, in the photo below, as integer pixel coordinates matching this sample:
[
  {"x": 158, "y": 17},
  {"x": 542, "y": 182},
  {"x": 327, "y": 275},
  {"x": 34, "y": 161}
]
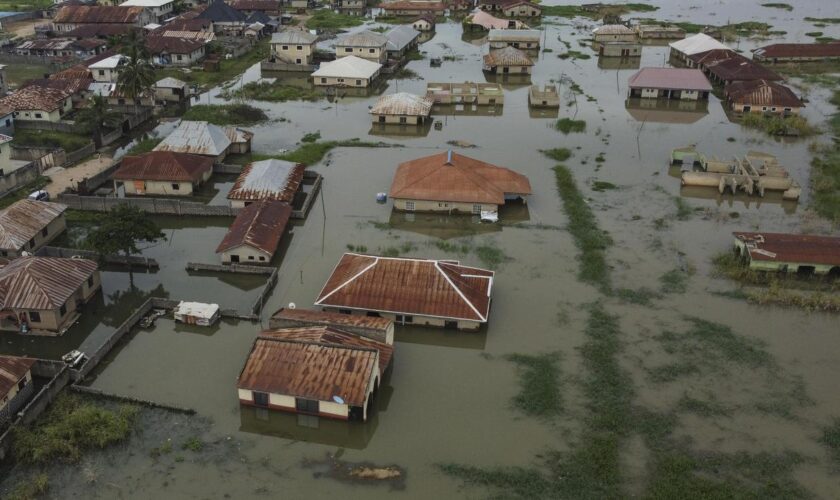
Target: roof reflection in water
[
  {"x": 666, "y": 111},
  {"x": 446, "y": 226}
]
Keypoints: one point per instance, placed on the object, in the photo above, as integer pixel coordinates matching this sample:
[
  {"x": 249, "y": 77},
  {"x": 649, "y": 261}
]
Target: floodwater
[{"x": 448, "y": 397}]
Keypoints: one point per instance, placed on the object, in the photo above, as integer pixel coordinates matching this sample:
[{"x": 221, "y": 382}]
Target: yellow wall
[
  {"x": 5, "y": 400},
  {"x": 417, "y": 320},
  {"x": 766, "y": 109},
  {"x": 442, "y": 206},
  {"x": 342, "y": 82},
  {"x": 247, "y": 255},
  {"x": 523, "y": 11},
  {"x": 48, "y": 116},
  {"x": 164, "y": 188},
  {"x": 628, "y": 37},
  {"x": 511, "y": 70},
  {"x": 377, "y": 54},
  {"x": 396, "y": 119},
  {"x": 105, "y": 74},
  {"x": 293, "y": 52},
  {"x": 54, "y": 228}
]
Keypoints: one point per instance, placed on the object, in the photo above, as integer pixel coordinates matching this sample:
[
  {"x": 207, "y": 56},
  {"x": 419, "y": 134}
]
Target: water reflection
[
  {"x": 447, "y": 226},
  {"x": 534, "y": 112},
  {"x": 397, "y": 130},
  {"x": 466, "y": 110},
  {"x": 619, "y": 62},
  {"x": 441, "y": 337},
  {"x": 509, "y": 81},
  {"x": 666, "y": 111},
  {"x": 740, "y": 200}
]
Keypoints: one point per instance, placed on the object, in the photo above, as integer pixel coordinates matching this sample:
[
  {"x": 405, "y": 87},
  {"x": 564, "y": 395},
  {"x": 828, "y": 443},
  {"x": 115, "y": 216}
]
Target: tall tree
[
  {"x": 136, "y": 77},
  {"x": 121, "y": 229},
  {"x": 96, "y": 116},
  {"x": 133, "y": 44}
]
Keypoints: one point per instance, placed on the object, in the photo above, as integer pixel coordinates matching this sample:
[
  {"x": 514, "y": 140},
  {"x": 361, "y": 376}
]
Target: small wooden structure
[{"x": 197, "y": 313}]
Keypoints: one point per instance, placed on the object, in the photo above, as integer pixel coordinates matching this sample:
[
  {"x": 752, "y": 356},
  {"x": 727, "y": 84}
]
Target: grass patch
[
  {"x": 823, "y": 20},
  {"x": 825, "y": 39},
  {"x": 590, "y": 240},
  {"x": 599, "y": 12},
  {"x": 601, "y": 186},
  {"x": 674, "y": 281},
  {"x": 327, "y": 19},
  {"x": 825, "y": 171},
  {"x": 557, "y": 154},
  {"x": 777, "y": 125},
  {"x": 814, "y": 34},
  {"x": 357, "y": 248},
  {"x": 145, "y": 145},
  {"x": 50, "y": 139},
  {"x": 228, "y": 68},
  {"x": 641, "y": 296},
  {"x": 831, "y": 440},
  {"x": 310, "y": 152},
  {"x": 272, "y": 92},
  {"x": 568, "y": 126},
  {"x": 311, "y": 137},
  {"x": 29, "y": 489},
  {"x": 491, "y": 256},
  {"x": 396, "y": 251},
  {"x": 193, "y": 444},
  {"x": 778, "y": 5},
  {"x": 71, "y": 426},
  {"x": 574, "y": 54},
  {"x": 671, "y": 372},
  {"x": 716, "y": 343},
  {"x": 684, "y": 209},
  {"x": 226, "y": 114},
  {"x": 704, "y": 407},
  {"x": 539, "y": 382}
]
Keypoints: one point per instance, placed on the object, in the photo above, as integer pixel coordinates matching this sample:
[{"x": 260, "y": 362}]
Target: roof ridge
[
  {"x": 375, "y": 261},
  {"x": 458, "y": 290}
]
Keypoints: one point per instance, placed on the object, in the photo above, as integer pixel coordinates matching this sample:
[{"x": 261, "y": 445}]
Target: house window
[
  {"x": 34, "y": 317},
  {"x": 404, "y": 318},
  {"x": 262, "y": 257},
  {"x": 8, "y": 123},
  {"x": 90, "y": 281},
  {"x": 348, "y": 49},
  {"x": 340, "y": 80},
  {"x": 403, "y": 119},
  {"x": 285, "y": 47},
  {"x": 306, "y": 405},
  {"x": 32, "y": 243},
  {"x": 176, "y": 187},
  {"x": 38, "y": 115},
  {"x": 101, "y": 72},
  {"x": 250, "y": 257},
  {"x": 409, "y": 205},
  {"x": 372, "y": 51},
  {"x": 358, "y": 82},
  {"x": 22, "y": 384},
  {"x": 62, "y": 310},
  {"x": 260, "y": 398},
  {"x": 476, "y": 209},
  {"x": 323, "y": 80},
  {"x": 45, "y": 231},
  {"x": 300, "y": 47},
  {"x": 179, "y": 57},
  {"x": 4, "y": 253}
]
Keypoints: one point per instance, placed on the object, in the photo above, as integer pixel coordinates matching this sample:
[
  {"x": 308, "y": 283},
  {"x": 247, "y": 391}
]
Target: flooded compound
[{"x": 707, "y": 391}]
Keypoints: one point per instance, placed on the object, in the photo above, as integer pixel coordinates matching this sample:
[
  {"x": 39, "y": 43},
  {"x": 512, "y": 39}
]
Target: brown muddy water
[{"x": 448, "y": 398}]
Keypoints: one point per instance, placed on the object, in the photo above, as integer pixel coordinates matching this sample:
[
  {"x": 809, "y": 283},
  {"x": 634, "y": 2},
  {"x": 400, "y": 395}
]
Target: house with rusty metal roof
[
  {"x": 762, "y": 96},
  {"x": 172, "y": 51},
  {"x": 27, "y": 225},
  {"x": 613, "y": 33},
  {"x": 158, "y": 9},
  {"x": 409, "y": 8},
  {"x": 792, "y": 253},
  {"x": 319, "y": 371},
  {"x": 454, "y": 183},
  {"x": 100, "y": 30},
  {"x": 255, "y": 234},
  {"x": 248, "y": 7},
  {"x": 797, "y": 52},
  {"x": 508, "y": 61},
  {"x": 374, "y": 327},
  {"x": 739, "y": 69},
  {"x": 669, "y": 83},
  {"x": 162, "y": 173},
  {"x": 440, "y": 293},
  {"x": 365, "y": 44},
  {"x": 206, "y": 139},
  {"x": 16, "y": 385},
  {"x": 45, "y": 293},
  {"x": 402, "y": 108},
  {"x": 60, "y": 48},
  {"x": 271, "y": 179},
  {"x": 76, "y": 87},
  {"x": 73, "y": 16},
  {"x": 38, "y": 103}
]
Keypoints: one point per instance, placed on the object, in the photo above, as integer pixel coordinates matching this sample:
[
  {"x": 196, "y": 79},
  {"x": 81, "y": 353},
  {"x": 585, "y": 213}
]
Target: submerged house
[
  {"x": 613, "y": 33},
  {"x": 409, "y": 8},
  {"x": 451, "y": 182},
  {"x": 401, "y": 39},
  {"x": 761, "y": 96},
  {"x": 792, "y": 253},
  {"x": 27, "y": 225},
  {"x": 44, "y": 293},
  {"x": 374, "y": 327},
  {"x": 483, "y": 20},
  {"x": 439, "y": 293},
  {"x": 521, "y": 8},
  {"x": 364, "y": 44},
  {"x": 670, "y": 83},
  {"x": 275, "y": 180},
  {"x": 293, "y": 46},
  {"x": 619, "y": 49},
  {"x": 206, "y": 139},
  {"x": 547, "y": 97},
  {"x": 320, "y": 371},
  {"x": 518, "y": 39},
  {"x": 255, "y": 234},
  {"x": 16, "y": 385},
  {"x": 424, "y": 23},
  {"x": 163, "y": 173},
  {"x": 695, "y": 44},
  {"x": 508, "y": 61},
  {"x": 350, "y": 71},
  {"x": 739, "y": 69},
  {"x": 659, "y": 32},
  {"x": 482, "y": 94},
  {"x": 402, "y": 108},
  {"x": 797, "y": 52}
]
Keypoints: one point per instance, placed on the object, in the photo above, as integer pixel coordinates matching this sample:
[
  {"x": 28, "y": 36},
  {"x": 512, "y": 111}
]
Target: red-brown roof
[
  {"x": 735, "y": 69},
  {"x": 172, "y": 45},
  {"x": 424, "y": 6},
  {"x": 97, "y": 14},
  {"x": 262, "y": 5},
  {"x": 70, "y": 85},
  {"x": 77, "y": 72},
  {"x": 799, "y": 50},
  {"x": 442, "y": 289},
  {"x": 762, "y": 93},
  {"x": 99, "y": 30},
  {"x": 259, "y": 225},
  {"x": 309, "y": 370},
  {"x": 163, "y": 166},
  {"x": 42, "y": 282},
  {"x": 670, "y": 78},
  {"x": 794, "y": 248},
  {"x": 710, "y": 56},
  {"x": 329, "y": 318},
  {"x": 458, "y": 178},
  {"x": 35, "y": 98},
  {"x": 333, "y": 336},
  {"x": 12, "y": 371}
]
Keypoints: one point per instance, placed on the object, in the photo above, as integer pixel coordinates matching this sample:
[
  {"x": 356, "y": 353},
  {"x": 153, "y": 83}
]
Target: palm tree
[
  {"x": 97, "y": 116},
  {"x": 133, "y": 43},
  {"x": 136, "y": 76}
]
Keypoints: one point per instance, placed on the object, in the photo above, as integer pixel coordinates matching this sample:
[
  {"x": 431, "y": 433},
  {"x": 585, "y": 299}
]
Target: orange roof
[
  {"x": 12, "y": 370},
  {"x": 259, "y": 225},
  {"x": 456, "y": 178},
  {"x": 798, "y": 248},
  {"x": 330, "y": 318},
  {"x": 333, "y": 336},
  {"x": 164, "y": 166},
  {"x": 437, "y": 288}
]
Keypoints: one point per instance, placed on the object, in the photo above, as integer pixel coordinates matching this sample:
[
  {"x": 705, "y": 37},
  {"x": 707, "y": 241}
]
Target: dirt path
[
  {"x": 24, "y": 28},
  {"x": 62, "y": 178}
]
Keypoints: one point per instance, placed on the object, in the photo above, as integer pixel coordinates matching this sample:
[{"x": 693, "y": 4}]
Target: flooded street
[{"x": 449, "y": 396}]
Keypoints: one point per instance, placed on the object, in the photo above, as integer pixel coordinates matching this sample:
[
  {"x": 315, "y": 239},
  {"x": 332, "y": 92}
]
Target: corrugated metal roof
[
  {"x": 400, "y": 36},
  {"x": 164, "y": 166},
  {"x": 196, "y": 137},
  {"x": 329, "y": 318},
  {"x": 110, "y": 62},
  {"x": 507, "y": 56},
  {"x": 762, "y": 93},
  {"x": 670, "y": 78},
  {"x": 461, "y": 179},
  {"x": 220, "y": 12},
  {"x": 613, "y": 29},
  {"x": 363, "y": 39},
  {"x": 348, "y": 67},
  {"x": 442, "y": 289},
  {"x": 24, "y": 219},
  {"x": 69, "y": 85},
  {"x": 421, "y": 6},
  {"x": 294, "y": 37},
  {"x": 710, "y": 56},
  {"x": 46, "y": 44},
  {"x": 172, "y": 45},
  {"x": 207, "y": 36},
  {"x": 695, "y": 44},
  {"x": 268, "y": 180},
  {"x": 95, "y": 14},
  {"x": 42, "y": 282},
  {"x": 496, "y": 35},
  {"x": 793, "y": 248},
  {"x": 740, "y": 68},
  {"x": 35, "y": 98},
  {"x": 309, "y": 370},
  {"x": 333, "y": 336},
  {"x": 170, "y": 83},
  {"x": 799, "y": 50},
  {"x": 259, "y": 225},
  {"x": 145, "y": 3},
  {"x": 12, "y": 371},
  {"x": 96, "y": 30},
  {"x": 488, "y": 21},
  {"x": 402, "y": 103},
  {"x": 261, "y": 5}
]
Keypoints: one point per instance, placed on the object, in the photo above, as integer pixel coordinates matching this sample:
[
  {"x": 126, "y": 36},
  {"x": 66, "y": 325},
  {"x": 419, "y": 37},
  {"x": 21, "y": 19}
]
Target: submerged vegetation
[
  {"x": 228, "y": 68},
  {"x": 825, "y": 170},
  {"x": 598, "y": 11},
  {"x": 327, "y": 19},
  {"x": 226, "y": 114},
  {"x": 144, "y": 145},
  {"x": 557, "y": 154},
  {"x": 831, "y": 440},
  {"x": 272, "y": 92},
  {"x": 778, "y": 5},
  {"x": 539, "y": 381},
  {"x": 778, "y": 125},
  {"x": 568, "y": 125}
]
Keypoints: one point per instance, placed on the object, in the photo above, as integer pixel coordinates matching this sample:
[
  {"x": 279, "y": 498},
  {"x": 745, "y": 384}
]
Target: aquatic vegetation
[
  {"x": 590, "y": 240},
  {"x": 272, "y": 92},
  {"x": 814, "y": 33},
  {"x": 823, "y": 20},
  {"x": 716, "y": 344},
  {"x": 602, "y": 10},
  {"x": 193, "y": 444},
  {"x": 71, "y": 426},
  {"x": 671, "y": 372},
  {"x": 831, "y": 439},
  {"x": 777, "y": 125},
  {"x": 311, "y": 137},
  {"x": 327, "y": 19},
  {"x": 226, "y": 114},
  {"x": 228, "y": 68},
  {"x": 557, "y": 154},
  {"x": 540, "y": 384},
  {"x": 357, "y": 248},
  {"x": 491, "y": 256},
  {"x": 574, "y": 54},
  {"x": 674, "y": 281},
  {"x": 684, "y": 209},
  {"x": 601, "y": 186},
  {"x": 30, "y": 489},
  {"x": 145, "y": 145},
  {"x": 568, "y": 125},
  {"x": 778, "y": 5},
  {"x": 708, "y": 407}
]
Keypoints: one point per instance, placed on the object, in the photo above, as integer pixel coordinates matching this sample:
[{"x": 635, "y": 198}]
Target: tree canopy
[{"x": 121, "y": 229}]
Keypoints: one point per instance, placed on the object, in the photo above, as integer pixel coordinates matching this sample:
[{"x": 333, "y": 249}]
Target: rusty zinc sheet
[
  {"x": 402, "y": 103},
  {"x": 797, "y": 248},
  {"x": 442, "y": 289},
  {"x": 268, "y": 180},
  {"x": 259, "y": 225},
  {"x": 741, "y": 68},
  {"x": 24, "y": 219},
  {"x": 35, "y": 98},
  {"x": 196, "y": 137},
  {"x": 508, "y": 56},
  {"x": 309, "y": 370},
  {"x": 799, "y": 50},
  {"x": 762, "y": 93},
  {"x": 12, "y": 371},
  {"x": 329, "y": 318},
  {"x": 454, "y": 177},
  {"x": 42, "y": 282},
  {"x": 163, "y": 166},
  {"x": 333, "y": 336},
  {"x": 96, "y": 14}
]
